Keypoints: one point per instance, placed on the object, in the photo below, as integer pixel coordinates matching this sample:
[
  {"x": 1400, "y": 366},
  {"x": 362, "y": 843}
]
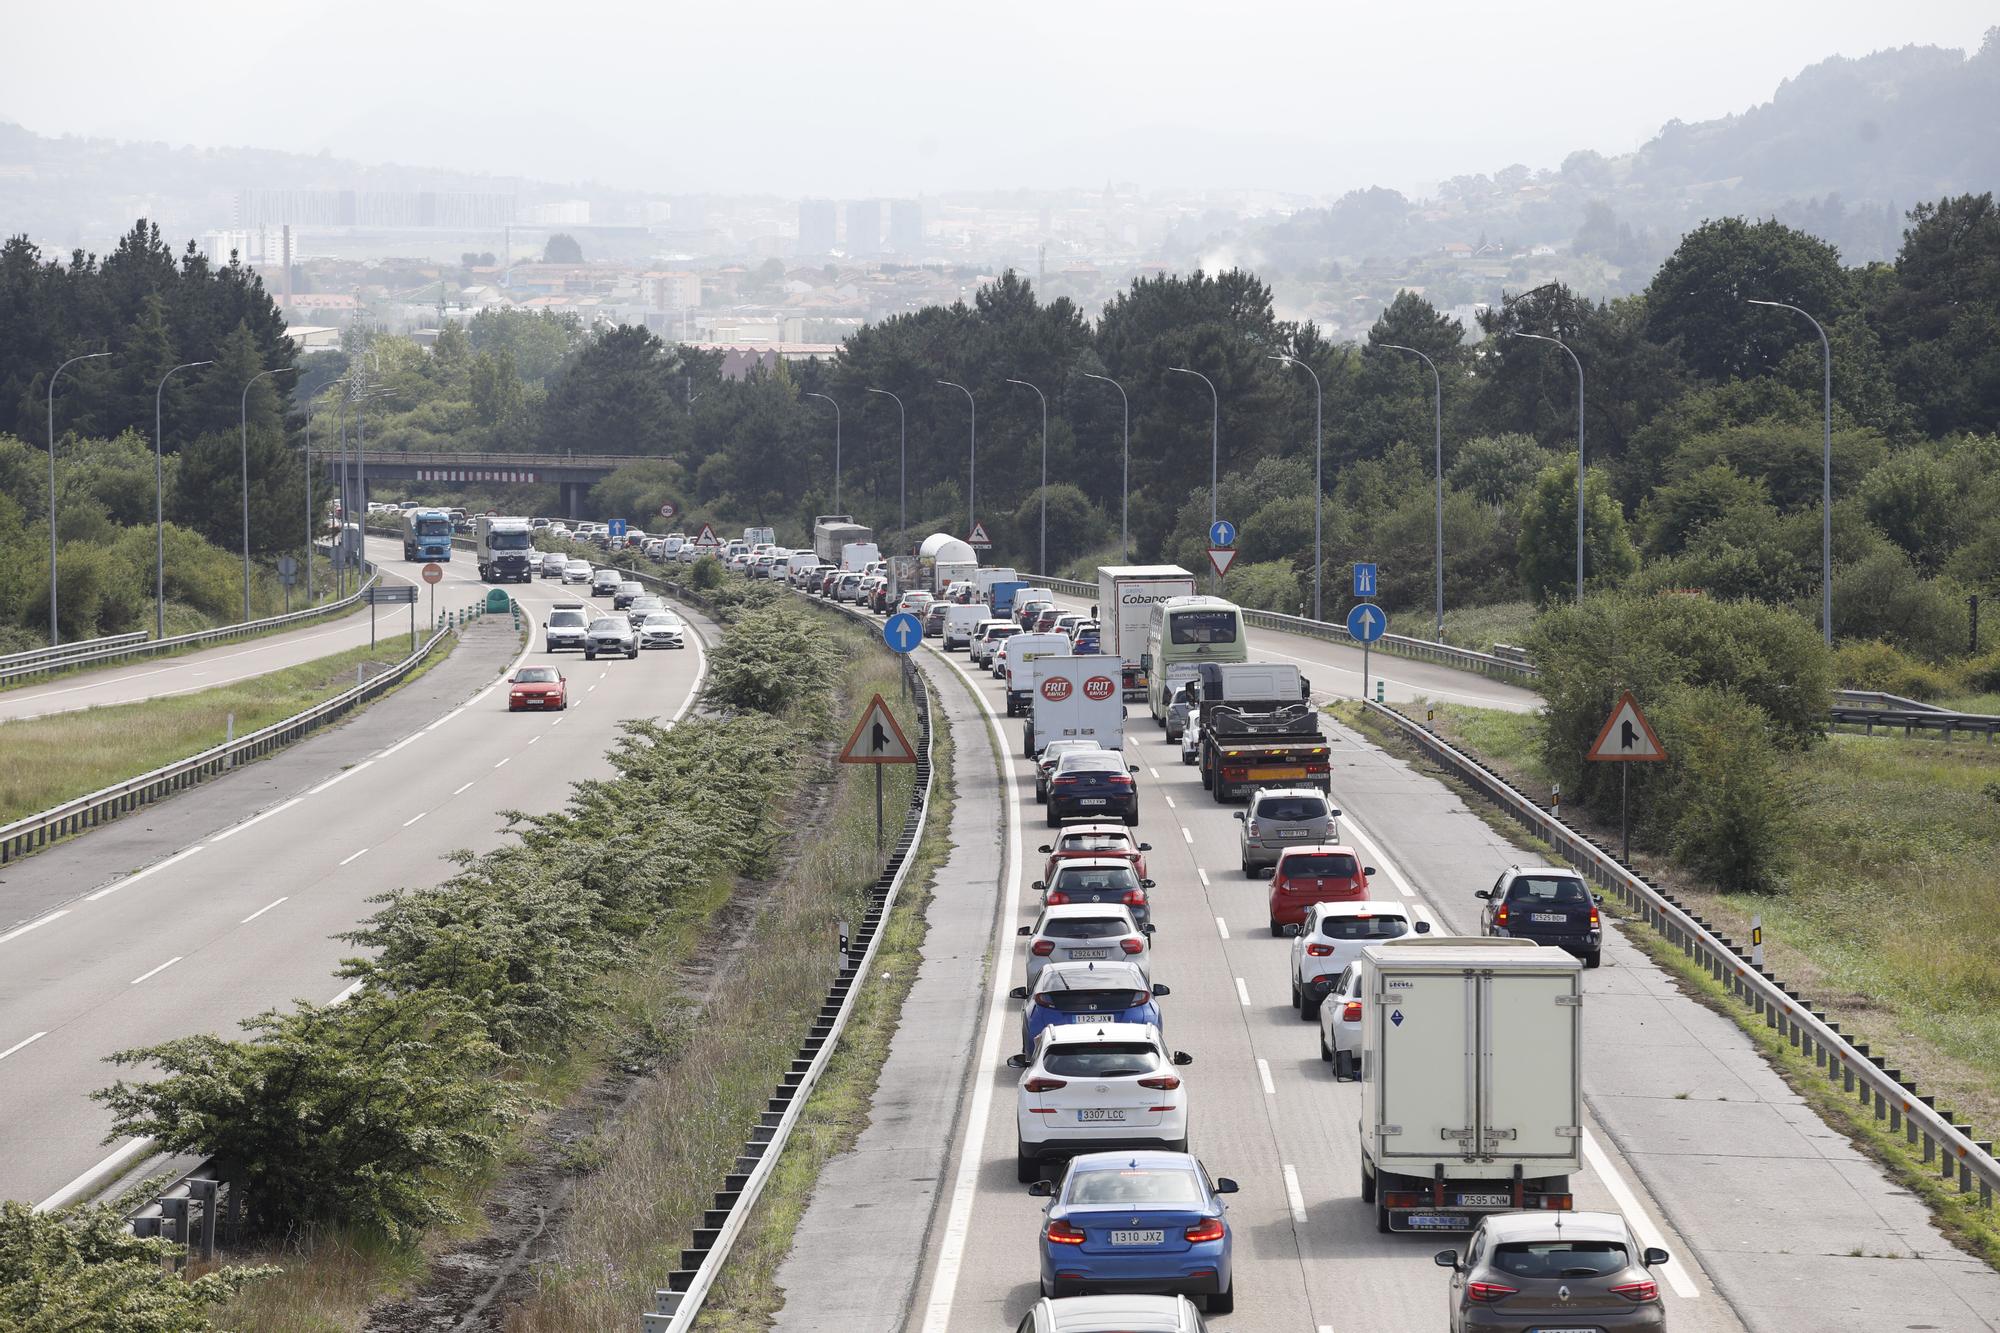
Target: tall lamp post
[
  {"x": 1437, "y": 410},
  {"x": 903, "y": 468},
  {"x": 1319, "y": 451},
  {"x": 243, "y": 415},
  {"x": 836, "y": 446},
  {"x": 1214, "y": 437},
  {"x": 1826, "y": 471},
  {"x": 1543, "y": 338},
  {"x": 1125, "y": 471},
  {"x": 1042, "y": 568},
  {"x": 309, "y": 488},
  {"x": 55, "y": 635},
  {"x": 160, "y": 504},
  {"x": 972, "y": 458}
]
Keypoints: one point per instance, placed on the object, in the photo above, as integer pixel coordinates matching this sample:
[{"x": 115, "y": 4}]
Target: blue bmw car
[
  {"x": 1138, "y": 1222},
  {"x": 1087, "y": 993}
]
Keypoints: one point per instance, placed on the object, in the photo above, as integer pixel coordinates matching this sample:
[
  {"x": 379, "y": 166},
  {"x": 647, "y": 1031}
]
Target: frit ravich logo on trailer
[
  {"x": 1055, "y": 689},
  {"x": 1098, "y": 688}
]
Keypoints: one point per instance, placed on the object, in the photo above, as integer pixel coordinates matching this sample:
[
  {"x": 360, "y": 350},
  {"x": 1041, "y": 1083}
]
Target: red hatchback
[
  {"x": 541, "y": 688},
  {"x": 1308, "y": 875}
]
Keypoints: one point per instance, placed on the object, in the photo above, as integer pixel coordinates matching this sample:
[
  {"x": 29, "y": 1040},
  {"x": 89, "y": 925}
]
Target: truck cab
[{"x": 426, "y": 534}]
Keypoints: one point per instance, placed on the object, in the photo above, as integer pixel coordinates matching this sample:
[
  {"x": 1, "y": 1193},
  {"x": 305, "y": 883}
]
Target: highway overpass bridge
[{"x": 571, "y": 474}]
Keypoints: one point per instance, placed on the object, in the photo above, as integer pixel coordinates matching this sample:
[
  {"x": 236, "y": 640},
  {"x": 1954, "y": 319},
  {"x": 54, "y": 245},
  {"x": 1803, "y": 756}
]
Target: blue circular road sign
[
  {"x": 903, "y": 632},
  {"x": 1222, "y": 533},
  {"x": 1366, "y": 622}
]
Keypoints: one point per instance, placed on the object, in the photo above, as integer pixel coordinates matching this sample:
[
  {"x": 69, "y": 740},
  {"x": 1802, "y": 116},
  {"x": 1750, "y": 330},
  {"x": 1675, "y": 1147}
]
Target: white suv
[
  {"x": 1333, "y": 936},
  {"x": 1097, "y": 1087}
]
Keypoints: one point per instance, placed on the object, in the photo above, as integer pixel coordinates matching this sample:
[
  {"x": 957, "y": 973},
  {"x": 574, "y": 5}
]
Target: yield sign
[
  {"x": 1627, "y": 736},
  {"x": 1220, "y": 558},
  {"x": 877, "y": 739},
  {"x": 979, "y": 537}
]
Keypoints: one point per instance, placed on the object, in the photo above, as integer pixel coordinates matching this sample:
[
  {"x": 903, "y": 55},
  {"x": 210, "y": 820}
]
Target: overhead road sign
[
  {"x": 1220, "y": 558},
  {"x": 877, "y": 739},
  {"x": 1222, "y": 533},
  {"x": 1364, "y": 580},
  {"x": 1627, "y": 736},
  {"x": 1366, "y": 623},
  {"x": 903, "y": 632}
]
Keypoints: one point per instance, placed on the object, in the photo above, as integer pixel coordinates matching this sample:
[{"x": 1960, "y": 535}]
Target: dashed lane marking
[
  {"x": 1264, "y": 1077},
  {"x": 1222, "y": 928},
  {"x": 156, "y": 971},
  {"x": 1242, "y": 993},
  {"x": 357, "y": 856},
  {"x": 110, "y": 889},
  {"x": 260, "y": 911},
  {"x": 19, "y": 1045}
]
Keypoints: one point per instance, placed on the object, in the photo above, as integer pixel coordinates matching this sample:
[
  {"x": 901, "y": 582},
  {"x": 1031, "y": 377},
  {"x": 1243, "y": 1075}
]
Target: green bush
[
  {"x": 1980, "y": 675},
  {"x": 81, "y": 1270},
  {"x": 1268, "y": 585},
  {"x": 1725, "y": 810},
  {"x": 706, "y": 574},
  {"x": 1874, "y": 665},
  {"x": 774, "y": 660}
]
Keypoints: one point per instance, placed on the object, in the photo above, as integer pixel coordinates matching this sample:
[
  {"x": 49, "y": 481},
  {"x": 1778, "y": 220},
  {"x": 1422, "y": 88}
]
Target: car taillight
[
  {"x": 1593, "y": 918},
  {"x": 1062, "y": 1233},
  {"x": 1065, "y": 782},
  {"x": 1637, "y": 1291},
  {"x": 1045, "y": 1001},
  {"x": 1041, "y": 1083},
  {"x": 1135, "y": 898},
  {"x": 1319, "y": 950},
  {"x": 1057, "y": 898},
  {"x": 1043, "y": 948},
  {"x": 1350, "y": 1012},
  {"x": 1164, "y": 1082},
  {"x": 1500, "y": 917},
  {"x": 1485, "y": 1293},
  {"x": 1121, "y": 779},
  {"x": 1132, "y": 946},
  {"x": 1208, "y": 1229},
  {"x": 1253, "y": 830}
]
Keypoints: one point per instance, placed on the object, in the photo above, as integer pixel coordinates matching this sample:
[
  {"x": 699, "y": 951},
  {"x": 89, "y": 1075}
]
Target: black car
[
  {"x": 1093, "y": 785},
  {"x": 1546, "y": 905}
]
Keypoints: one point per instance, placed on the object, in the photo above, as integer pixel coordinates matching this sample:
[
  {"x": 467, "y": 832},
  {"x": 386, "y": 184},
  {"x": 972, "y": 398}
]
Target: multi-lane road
[{"x": 224, "y": 902}]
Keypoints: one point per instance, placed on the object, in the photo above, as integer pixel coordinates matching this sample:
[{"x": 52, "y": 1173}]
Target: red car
[
  {"x": 1094, "y": 840},
  {"x": 537, "y": 687},
  {"x": 1046, "y": 622},
  {"x": 1308, "y": 875}
]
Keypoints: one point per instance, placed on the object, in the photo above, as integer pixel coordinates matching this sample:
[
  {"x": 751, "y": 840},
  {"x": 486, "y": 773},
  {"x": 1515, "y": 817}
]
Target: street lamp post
[
  {"x": 243, "y": 415},
  {"x": 1437, "y": 409},
  {"x": 1826, "y": 471},
  {"x": 836, "y": 446},
  {"x": 1319, "y": 452},
  {"x": 972, "y": 458},
  {"x": 55, "y": 635},
  {"x": 1043, "y": 567},
  {"x": 1125, "y": 471},
  {"x": 903, "y": 453},
  {"x": 1542, "y": 338},
  {"x": 160, "y": 504},
  {"x": 1214, "y": 436},
  {"x": 309, "y": 489}
]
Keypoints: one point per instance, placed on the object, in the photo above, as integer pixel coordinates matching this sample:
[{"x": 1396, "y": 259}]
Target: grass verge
[
  {"x": 56, "y": 758},
  {"x": 1474, "y": 627}
]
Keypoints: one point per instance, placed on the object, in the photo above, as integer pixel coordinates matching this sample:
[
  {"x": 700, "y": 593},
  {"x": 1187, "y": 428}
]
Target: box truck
[
  {"x": 1073, "y": 698},
  {"x": 1471, "y": 1091},
  {"x": 833, "y": 531},
  {"x": 1126, "y": 595},
  {"x": 501, "y": 546}
]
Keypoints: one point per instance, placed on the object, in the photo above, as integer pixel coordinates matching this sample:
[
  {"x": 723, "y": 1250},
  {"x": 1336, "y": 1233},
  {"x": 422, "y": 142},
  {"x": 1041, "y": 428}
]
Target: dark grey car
[
  {"x": 611, "y": 634},
  {"x": 1543, "y": 1270},
  {"x": 1281, "y": 817}
]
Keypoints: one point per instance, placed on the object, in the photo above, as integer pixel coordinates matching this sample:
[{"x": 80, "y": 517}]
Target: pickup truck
[{"x": 1257, "y": 727}]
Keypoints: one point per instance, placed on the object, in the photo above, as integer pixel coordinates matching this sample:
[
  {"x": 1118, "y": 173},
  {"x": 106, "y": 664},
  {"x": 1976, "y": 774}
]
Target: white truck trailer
[
  {"x": 1023, "y": 651},
  {"x": 1126, "y": 595},
  {"x": 1471, "y": 1086},
  {"x": 1073, "y": 698}
]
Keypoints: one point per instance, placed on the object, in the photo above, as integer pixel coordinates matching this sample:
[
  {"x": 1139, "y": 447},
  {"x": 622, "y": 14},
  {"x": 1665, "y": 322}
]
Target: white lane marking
[
  {"x": 592, "y": 689},
  {"x": 19, "y": 931},
  {"x": 156, "y": 971},
  {"x": 20, "y": 1044},
  {"x": 357, "y": 856},
  {"x": 1204, "y": 876},
  {"x": 1170, "y": 802},
  {"x": 533, "y": 739},
  {"x": 1635, "y": 1216},
  {"x": 260, "y": 911},
  {"x": 1264, "y": 1077},
  {"x": 481, "y": 695},
  {"x": 1295, "y": 1197},
  {"x": 602, "y": 674},
  {"x": 461, "y": 789},
  {"x": 342, "y": 777},
  {"x": 413, "y": 736},
  {"x": 124, "y": 1153},
  {"x": 345, "y": 995},
  {"x": 559, "y": 721},
  {"x": 414, "y": 818},
  {"x": 504, "y": 762},
  {"x": 1222, "y": 928},
  {"x": 1154, "y": 771},
  {"x": 1187, "y": 837},
  {"x": 1375, "y": 853},
  {"x": 1242, "y": 992},
  {"x": 134, "y": 878},
  {"x": 235, "y": 829}
]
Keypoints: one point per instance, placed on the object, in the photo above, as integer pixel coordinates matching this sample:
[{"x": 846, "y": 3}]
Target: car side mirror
[
  {"x": 1368, "y": 870},
  {"x": 1446, "y": 1259},
  {"x": 1237, "y": 816},
  {"x": 1182, "y": 1059},
  {"x": 1423, "y": 927},
  {"x": 1335, "y": 814},
  {"x": 1146, "y": 884},
  {"x": 1145, "y": 846},
  {"x": 1017, "y": 1062},
  {"x": 1025, "y": 930},
  {"x": 1041, "y": 886},
  {"x": 1224, "y": 1185},
  {"x": 1018, "y": 993},
  {"x": 1146, "y": 929},
  {"x": 1043, "y": 1189},
  {"x": 1132, "y": 767},
  {"x": 1481, "y": 893},
  {"x": 1045, "y": 849},
  {"x": 1655, "y": 1256},
  {"x": 1161, "y": 988}
]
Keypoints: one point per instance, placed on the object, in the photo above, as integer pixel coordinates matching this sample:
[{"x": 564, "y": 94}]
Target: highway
[
  {"x": 153, "y": 678},
  {"x": 227, "y": 904}
]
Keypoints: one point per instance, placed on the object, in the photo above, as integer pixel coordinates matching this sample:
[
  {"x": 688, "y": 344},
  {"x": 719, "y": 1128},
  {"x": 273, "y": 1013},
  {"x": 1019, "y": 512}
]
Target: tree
[
  {"x": 1547, "y": 546},
  {"x": 1076, "y": 526},
  {"x": 209, "y": 486},
  {"x": 562, "y": 248},
  {"x": 1697, "y": 300},
  {"x": 84, "y": 1269},
  {"x": 616, "y": 397},
  {"x": 1940, "y": 316}
]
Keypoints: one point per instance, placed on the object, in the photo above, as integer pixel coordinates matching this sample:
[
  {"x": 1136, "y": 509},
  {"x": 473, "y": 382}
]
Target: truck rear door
[
  {"x": 1529, "y": 1066},
  {"x": 1426, "y": 1069}
]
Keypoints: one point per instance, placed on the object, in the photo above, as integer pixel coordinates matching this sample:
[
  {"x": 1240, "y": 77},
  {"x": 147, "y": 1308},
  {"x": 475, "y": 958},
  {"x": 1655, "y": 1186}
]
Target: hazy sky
[{"x": 865, "y": 97}]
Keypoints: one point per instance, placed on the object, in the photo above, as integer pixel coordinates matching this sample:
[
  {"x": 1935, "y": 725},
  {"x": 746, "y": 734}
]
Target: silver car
[
  {"x": 1577, "y": 1270},
  {"x": 642, "y": 607},
  {"x": 566, "y": 627},
  {"x": 610, "y": 634},
  {"x": 1281, "y": 817},
  {"x": 554, "y": 563},
  {"x": 604, "y": 582},
  {"x": 576, "y": 570},
  {"x": 1102, "y": 1314},
  {"x": 1087, "y": 933},
  {"x": 662, "y": 629}
]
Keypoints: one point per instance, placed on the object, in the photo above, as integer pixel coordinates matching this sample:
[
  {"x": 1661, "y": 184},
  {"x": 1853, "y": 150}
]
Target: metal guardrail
[
  {"x": 1879, "y": 700},
  {"x": 1921, "y": 718},
  {"x": 96, "y": 652},
  {"x": 677, "y": 1305},
  {"x": 26, "y": 836},
  {"x": 32, "y": 656},
  {"x": 1894, "y": 1099},
  {"x": 1521, "y": 672}
]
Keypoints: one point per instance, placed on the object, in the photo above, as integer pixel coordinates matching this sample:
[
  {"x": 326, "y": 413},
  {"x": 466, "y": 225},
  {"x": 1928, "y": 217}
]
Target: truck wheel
[
  {"x": 1207, "y": 778},
  {"x": 1367, "y": 1184},
  {"x": 1010, "y": 705}
]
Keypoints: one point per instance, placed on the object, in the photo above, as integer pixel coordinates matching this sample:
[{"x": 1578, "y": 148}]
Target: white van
[
  {"x": 962, "y": 622},
  {"x": 1022, "y": 650}
]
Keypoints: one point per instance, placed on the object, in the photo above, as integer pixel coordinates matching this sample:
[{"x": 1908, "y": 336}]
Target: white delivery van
[
  {"x": 1126, "y": 595},
  {"x": 984, "y": 579},
  {"x": 1074, "y": 698},
  {"x": 1022, "y": 652},
  {"x": 1471, "y": 1086},
  {"x": 962, "y": 622},
  {"x": 755, "y": 536},
  {"x": 857, "y": 556}
]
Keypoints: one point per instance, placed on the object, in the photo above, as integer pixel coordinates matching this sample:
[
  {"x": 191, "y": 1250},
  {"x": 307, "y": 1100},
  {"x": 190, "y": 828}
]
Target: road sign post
[
  {"x": 1365, "y": 623},
  {"x": 1221, "y": 538},
  {"x": 878, "y": 740},
  {"x": 1627, "y": 738},
  {"x": 433, "y": 575},
  {"x": 288, "y": 574}
]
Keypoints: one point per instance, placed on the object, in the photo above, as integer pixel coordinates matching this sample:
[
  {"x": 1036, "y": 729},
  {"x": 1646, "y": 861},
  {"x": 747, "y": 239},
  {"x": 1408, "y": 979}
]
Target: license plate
[
  {"x": 1485, "y": 1201},
  {"x": 1138, "y": 1237},
  {"x": 1279, "y": 772},
  {"x": 1295, "y": 833},
  {"x": 1089, "y": 953},
  {"x": 1099, "y": 1115},
  {"x": 1092, "y": 800},
  {"x": 1437, "y": 1222},
  {"x": 1549, "y": 918}
]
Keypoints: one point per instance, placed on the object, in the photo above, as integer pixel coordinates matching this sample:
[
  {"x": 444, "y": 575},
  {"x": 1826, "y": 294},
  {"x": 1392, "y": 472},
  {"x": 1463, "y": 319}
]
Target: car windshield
[
  {"x": 1320, "y": 865},
  {"x": 663, "y": 620},
  {"x": 609, "y": 625},
  {"x": 1101, "y": 1059},
  {"x": 1112, "y": 880},
  {"x": 567, "y": 619},
  {"x": 1095, "y": 842},
  {"x": 1089, "y": 761},
  {"x": 1291, "y": 809},
  {"x": 631, "y": 587},
  {"x": 1564, "y": 892},
  {"x": 434, "y": 527},
  {"x": 1204, "y": 627},
  {"x": 1136, "y": 1187},
  {"x": 1055, "y": 750},
  {"x": 1083, "y": 927},
  {"x": 1364, "y": 927},
  {"x": 508, "y": 541},
  {"x": 1560, "y": 1258},
  {"x": 535, "y": 676}
]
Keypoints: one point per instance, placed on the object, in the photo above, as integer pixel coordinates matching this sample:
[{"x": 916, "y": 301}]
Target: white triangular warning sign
[
  {"x": 1627, "y": 736},
  {"x": 877, "y": 739},
  {"x": 979, "y": 537},
  {"x": 1220, "y": 558},
  {"x": 706, "y": 536}
]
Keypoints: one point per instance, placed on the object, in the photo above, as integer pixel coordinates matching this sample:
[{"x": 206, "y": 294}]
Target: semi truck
[
  {"x": 1257, "y": 727},
  {"x": 1471, "y": 1082},
  {"x": 501, "y": 547},
  {"x": 1126, "y": 596},
  {"x": 1072, "y": 698},
  {"x": 426, "y": 534},
  {"x": 944, "y": 560},
  {"x": 831, "y": 532}
]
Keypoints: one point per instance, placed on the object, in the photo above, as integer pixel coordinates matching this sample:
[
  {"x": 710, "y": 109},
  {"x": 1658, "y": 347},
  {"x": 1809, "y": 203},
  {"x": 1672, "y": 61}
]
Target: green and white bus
[{"x": 1183, "y": 633}]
